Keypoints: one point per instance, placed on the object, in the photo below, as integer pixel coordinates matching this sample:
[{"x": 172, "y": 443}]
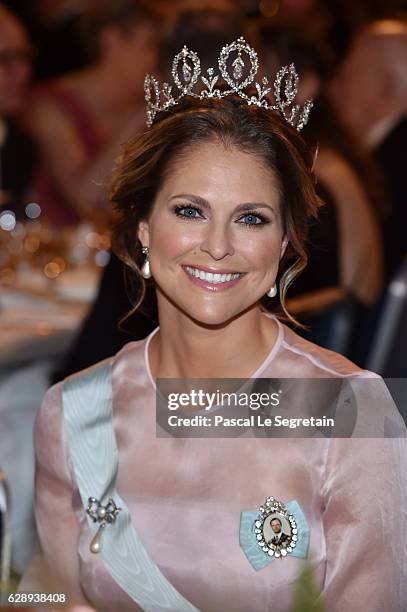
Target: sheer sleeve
[
  {"x": 365, "y": 524},
  {"x": 55, "y": 567}
]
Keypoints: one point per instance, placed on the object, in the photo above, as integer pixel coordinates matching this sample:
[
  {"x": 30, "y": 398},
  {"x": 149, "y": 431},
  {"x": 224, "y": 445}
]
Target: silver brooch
[
  {"x": 104, "y": 515},
  {"x": 276, "y": 529}
]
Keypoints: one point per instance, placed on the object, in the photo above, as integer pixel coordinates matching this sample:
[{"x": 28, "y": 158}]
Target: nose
[{"x": 217, "y": 241}]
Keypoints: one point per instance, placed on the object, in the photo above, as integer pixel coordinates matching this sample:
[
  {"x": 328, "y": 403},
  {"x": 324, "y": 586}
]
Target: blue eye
[
  {"x": 188, "y": 212},
  {"x": 253, "y": 219}
]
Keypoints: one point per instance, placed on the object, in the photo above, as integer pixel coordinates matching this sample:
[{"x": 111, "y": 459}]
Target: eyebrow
[{"x": 199, "y": 201}]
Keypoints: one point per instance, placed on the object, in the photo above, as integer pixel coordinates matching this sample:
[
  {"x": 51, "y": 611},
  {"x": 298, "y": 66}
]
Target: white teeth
[{"x": 210, "y": 277}]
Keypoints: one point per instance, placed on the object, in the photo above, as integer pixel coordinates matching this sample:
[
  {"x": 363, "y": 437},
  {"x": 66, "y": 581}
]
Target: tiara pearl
[{"x": 238, "y": 66}]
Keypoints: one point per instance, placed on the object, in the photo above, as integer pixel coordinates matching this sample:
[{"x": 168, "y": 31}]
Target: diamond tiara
[{"x": 186, "y": 71}]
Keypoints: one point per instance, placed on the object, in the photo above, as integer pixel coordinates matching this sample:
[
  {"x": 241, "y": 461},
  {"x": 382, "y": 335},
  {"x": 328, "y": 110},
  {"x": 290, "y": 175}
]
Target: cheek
[
  {"x": 262, "y": 251},
  {"x": 171, "y": 241}
]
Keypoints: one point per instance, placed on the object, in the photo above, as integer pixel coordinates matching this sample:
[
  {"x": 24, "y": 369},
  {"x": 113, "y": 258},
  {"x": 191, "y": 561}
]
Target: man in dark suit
[
  {"x": 370, "y": 93},
  {"x": 279, "y": 538}
]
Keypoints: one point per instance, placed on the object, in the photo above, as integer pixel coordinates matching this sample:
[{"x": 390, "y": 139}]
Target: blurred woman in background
[{"x": 80, "y": 119}]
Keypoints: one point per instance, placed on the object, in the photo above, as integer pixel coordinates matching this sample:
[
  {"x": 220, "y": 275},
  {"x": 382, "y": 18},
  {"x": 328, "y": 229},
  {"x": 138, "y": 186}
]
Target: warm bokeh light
[
  {"x": 60, "y": 262},
  {"x": 52, "y": 270},
  {"x": 92, "y": 240},
  {"x": 32, "y": 244},
  {"x": 7, "y": 276}
]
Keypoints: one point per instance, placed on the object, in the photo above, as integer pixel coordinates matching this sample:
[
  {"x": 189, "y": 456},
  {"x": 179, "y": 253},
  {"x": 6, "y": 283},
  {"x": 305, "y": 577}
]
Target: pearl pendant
[
  {"x": 96, "y": 543},
  {"x": 145, "y": 270},
  {"x": 104, "y": 515},
  {"x": 272, "y": 292}
]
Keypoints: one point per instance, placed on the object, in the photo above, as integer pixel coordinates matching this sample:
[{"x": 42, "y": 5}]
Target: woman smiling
[{"x": 212, "y": 205}]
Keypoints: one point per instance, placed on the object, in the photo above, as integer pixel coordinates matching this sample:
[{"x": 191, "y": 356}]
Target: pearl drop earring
[
  {"x": 273, "y": 291},
  {"x": 146, "y": 269}
]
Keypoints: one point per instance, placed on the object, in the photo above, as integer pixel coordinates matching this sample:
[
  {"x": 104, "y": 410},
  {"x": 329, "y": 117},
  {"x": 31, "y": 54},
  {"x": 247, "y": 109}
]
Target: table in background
[{"x": 37, "y": 327}]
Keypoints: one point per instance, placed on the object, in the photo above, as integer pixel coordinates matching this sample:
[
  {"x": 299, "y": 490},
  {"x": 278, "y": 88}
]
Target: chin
[{"x": 213, "y": 318}]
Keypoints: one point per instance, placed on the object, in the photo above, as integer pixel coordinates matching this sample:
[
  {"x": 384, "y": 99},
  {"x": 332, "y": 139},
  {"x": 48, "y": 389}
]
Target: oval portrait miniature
[{"x": 276, "y": 529}]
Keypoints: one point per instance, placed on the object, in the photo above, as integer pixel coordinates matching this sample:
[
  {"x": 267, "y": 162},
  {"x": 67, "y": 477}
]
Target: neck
[{"x": 184, "y": 349}]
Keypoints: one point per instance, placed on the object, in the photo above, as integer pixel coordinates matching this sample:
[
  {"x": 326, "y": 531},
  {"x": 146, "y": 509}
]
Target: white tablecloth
[
  {"x": 36, "y": 331},
  {"x": 20, "y": 397}
]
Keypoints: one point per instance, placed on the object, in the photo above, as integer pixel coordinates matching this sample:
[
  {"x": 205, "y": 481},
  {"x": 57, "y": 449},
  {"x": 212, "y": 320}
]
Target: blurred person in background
[
  {"x": 370, "y": 92},
  {"x": 314, "y": 15},
  {"x": 333, "y": 20},
  {"x": 57, "y": 36},
  {"x": 16, "y": 148},
  {"x": 172, "y": 12},
  {"x": 202, "y": 30},
  {"x": 80, "y": 119},
  {"x": 53, "y": 27},
  {"x": 345, "y": 249}
]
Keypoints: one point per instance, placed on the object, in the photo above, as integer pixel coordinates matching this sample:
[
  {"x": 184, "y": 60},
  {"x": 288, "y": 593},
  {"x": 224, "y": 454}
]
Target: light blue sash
[{"x": 87, "y": 400}]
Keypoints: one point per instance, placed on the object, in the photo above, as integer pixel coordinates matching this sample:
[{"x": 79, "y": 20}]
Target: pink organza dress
[{"x": 185, "y": 497}]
